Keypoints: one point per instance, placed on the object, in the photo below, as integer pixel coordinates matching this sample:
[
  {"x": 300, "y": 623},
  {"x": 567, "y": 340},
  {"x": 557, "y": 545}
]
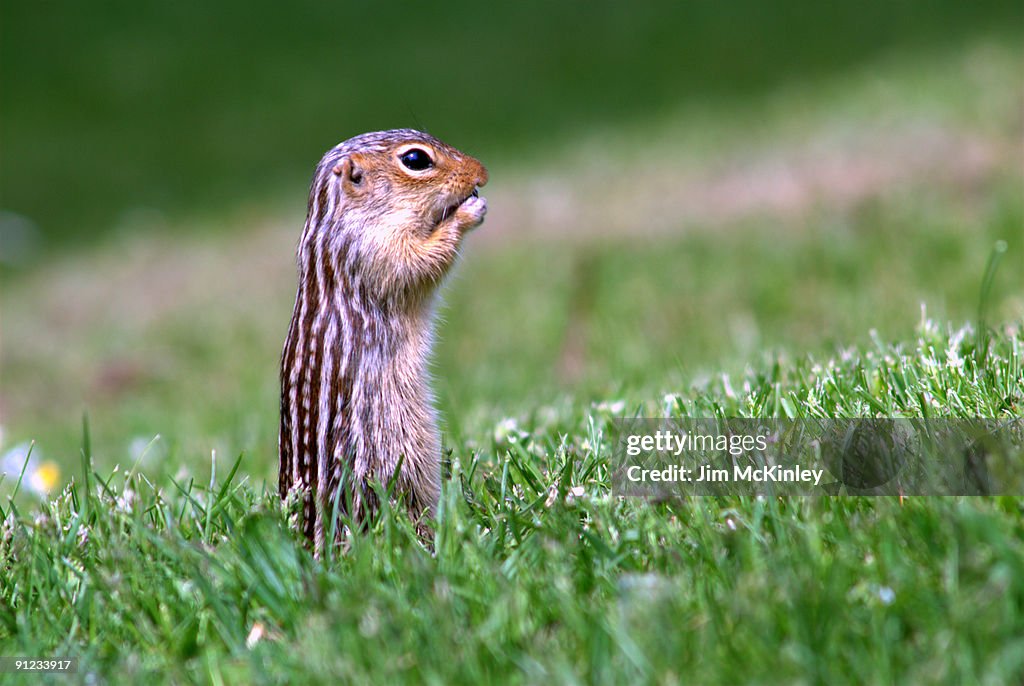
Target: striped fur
[{"x": 355, "y": 396}]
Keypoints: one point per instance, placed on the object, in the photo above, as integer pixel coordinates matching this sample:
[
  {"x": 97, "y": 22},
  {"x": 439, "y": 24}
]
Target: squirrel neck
[{"x": 332, "y": 285}]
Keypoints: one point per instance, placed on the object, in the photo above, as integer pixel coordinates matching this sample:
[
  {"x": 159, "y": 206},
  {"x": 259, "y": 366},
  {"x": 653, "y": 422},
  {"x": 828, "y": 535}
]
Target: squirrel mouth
[{"x": 449, "y": 211}]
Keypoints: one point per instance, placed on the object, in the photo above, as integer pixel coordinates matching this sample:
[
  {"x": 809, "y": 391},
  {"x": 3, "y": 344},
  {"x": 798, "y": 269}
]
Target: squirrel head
[{"x": 383, "y": 188}]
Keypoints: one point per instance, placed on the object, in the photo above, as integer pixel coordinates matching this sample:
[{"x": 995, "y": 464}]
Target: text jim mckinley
[
  {"x": 672, "y": 443},
  {"x": 763, "y": 473}
]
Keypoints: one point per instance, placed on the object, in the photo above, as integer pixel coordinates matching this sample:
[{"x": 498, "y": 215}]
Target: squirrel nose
[{"x": 481, "y": 173}]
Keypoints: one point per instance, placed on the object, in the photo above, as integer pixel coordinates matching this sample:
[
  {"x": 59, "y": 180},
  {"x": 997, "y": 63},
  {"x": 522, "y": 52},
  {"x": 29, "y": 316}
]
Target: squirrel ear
[{"x": 351, "y": 174}]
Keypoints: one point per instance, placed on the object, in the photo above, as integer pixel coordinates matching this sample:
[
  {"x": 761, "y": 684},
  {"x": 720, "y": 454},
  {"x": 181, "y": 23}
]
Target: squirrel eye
[{"x": 416, "y": 159}]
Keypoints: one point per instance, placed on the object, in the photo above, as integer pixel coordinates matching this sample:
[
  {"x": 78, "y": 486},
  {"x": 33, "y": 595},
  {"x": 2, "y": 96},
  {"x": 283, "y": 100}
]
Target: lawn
[
  {"x": 538, "y": 574},
  {"x": 847, "y": 244}
]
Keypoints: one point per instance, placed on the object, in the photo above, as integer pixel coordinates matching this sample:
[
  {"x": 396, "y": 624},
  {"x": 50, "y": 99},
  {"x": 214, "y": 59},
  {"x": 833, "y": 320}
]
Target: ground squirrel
[{"x": 386, "y": 216}]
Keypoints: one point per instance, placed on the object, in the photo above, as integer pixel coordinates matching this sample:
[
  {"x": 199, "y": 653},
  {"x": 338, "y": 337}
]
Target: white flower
[
  {"x": 953, "y": 359},
  {"x": 508, "y": 431},
  {"x": 727, "y": 387},
  {"x": 126, "y": 500},
  {"x": 12, "y": 461},
  {"x": 613, "y": 407},
  {"x": 574, "y": 493},
  {"x": 41, "y": 476},
  {"x": 256, "y": 634}
]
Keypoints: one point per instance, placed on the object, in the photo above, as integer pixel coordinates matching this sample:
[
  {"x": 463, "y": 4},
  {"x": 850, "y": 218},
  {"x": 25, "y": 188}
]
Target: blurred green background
[
  {"x": 183, "y": 105},
  {"x": 678, "y": 189}
]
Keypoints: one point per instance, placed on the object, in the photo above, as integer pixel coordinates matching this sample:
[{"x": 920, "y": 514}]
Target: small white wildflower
[
  {"x": 574, "y": 493},
  {"x": 507, "y": 431},
  {"x": 12, "y": 461},
  {"x": 7, "y": 529},
  {"x": 126, "y": 501},
  {"x": 256, "y": 634},
  {"x": 886, "y": 595},
  {"x": 615, "y": 407},
  {"x": 727, "y": 387},
  {"x": 41, "y": 476},
  {"x": 953, "y": 359},
  {"x": 552, "y": 496},
  {"x": 730, "y": 523},
  {"x": 928, "y": 328}
]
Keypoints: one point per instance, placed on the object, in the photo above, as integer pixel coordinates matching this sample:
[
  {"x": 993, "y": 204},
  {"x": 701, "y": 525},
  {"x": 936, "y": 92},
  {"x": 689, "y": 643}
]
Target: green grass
[
  {"x": 177, "y": 332},
  {"x": 539, "y": 574},
  {"x": 153, "y": 561}
]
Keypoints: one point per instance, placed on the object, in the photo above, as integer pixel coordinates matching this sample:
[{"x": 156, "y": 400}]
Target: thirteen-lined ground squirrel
[{"x": 386, "y": 216}]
